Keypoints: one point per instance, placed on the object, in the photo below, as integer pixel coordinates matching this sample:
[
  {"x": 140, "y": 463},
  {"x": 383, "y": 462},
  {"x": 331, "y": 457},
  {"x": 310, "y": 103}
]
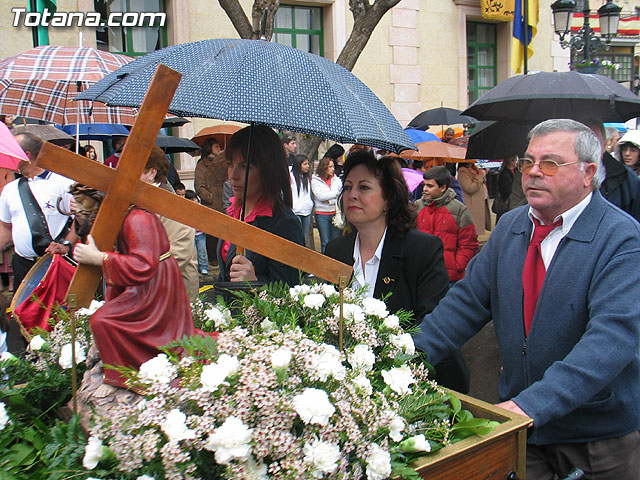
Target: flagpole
[{"x": 525, "y": 17}]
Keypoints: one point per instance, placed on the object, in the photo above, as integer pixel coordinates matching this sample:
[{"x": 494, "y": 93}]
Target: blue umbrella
[
  {"x": 96, "y": 131},
  {"x": 255, "y": 81},
  {"x": 421, "y": 136}
]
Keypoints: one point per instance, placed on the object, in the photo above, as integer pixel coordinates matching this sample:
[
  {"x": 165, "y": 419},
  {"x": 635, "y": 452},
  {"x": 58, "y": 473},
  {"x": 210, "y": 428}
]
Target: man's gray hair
[{"x": 586, "y": 145}]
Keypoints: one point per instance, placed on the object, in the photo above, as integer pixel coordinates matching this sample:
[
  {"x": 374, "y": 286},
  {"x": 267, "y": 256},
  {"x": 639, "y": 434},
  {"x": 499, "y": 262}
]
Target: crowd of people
[{"x": 557, "y": 275}]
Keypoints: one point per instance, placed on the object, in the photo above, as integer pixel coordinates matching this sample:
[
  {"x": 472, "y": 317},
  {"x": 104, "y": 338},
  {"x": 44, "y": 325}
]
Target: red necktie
[{"x": 534, "y": 271}]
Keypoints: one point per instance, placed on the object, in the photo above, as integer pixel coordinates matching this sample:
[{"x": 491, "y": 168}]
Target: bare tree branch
[{"x": 238, "y": 18}]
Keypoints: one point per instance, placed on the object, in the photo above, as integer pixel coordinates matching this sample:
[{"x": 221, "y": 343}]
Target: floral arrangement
[
  {"x": 595, "y": 63},
  {"x": 271, "y": 397}
]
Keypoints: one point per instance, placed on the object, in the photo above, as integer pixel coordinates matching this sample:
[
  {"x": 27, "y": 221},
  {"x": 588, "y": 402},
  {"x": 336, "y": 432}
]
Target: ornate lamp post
[{"x": 585, "y": 40}]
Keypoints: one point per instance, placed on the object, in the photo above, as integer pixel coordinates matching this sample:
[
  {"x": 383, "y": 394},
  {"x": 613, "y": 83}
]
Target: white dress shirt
[{"x": 367, "y": 276}]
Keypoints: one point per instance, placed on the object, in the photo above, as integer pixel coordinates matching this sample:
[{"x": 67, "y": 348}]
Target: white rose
[
  {"x": 215, "y": 374},
  {"x": 298, "y": 290},
  {"x": 399, "y": 379},
  {"x": 328, "y": 364},
  {"x": 37, "y": 343},
  {"x": 362, "y": 358},
  {"x": 93, "y": 307},
  {"x": 313, "y": 406},
  {"x": 416, "y": 444},
  {"x": 396, "y": 426},
  {"x": 158, "y": 369},
  {"x": 327, "y": 289},
  {"x": 254, "y": 470},
  {"x": 145, "y": 477},
  {"x": 373, "y": 306},
  {"x": 281, "y": 358},
  {"x": 352, "y": 313},
  {"x": 363, "y": 383},
  {"x": 267, "y": 325},
  {"x": 8, "y": 357},
  {"x": 404, "y": 342},
  {"x": 65, "y": 355},
  {"x": 219, "y": 318},
  {"x": 392, "y": 322},
  {"x": 314, "y": 300},
  {"x": 323, "y": 456},
  {"x": 230, "y": 441},
  {"x": 92, "y": 453},
  {"x": 4, "y": 416},
  {"x": 378, "y": 463},
  {"x": 175, "y": 426}
]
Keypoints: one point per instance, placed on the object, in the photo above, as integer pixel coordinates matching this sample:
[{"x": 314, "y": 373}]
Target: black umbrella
[
  {"x": 170, "y": 144},
  {"x": 496, "y": 140},
  {"x": 530, "y": 99},
  {"x": 174, "y": 122},
  {"x": 439, "y": 116}
]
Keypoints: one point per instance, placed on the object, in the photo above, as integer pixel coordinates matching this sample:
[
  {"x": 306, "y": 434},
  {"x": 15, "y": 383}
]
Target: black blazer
[{"x": 411, "y": 268}]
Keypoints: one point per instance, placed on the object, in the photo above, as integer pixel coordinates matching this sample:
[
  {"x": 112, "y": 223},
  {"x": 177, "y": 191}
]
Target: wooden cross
[{"x": 123, "y": 188}]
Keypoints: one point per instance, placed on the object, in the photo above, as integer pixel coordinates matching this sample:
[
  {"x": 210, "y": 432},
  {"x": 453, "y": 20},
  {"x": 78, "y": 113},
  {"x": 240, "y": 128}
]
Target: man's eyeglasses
[{"x": 547, "y": 167}]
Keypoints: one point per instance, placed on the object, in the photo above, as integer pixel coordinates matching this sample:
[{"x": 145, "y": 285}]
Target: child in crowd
[{"x": 201, "y": 238}]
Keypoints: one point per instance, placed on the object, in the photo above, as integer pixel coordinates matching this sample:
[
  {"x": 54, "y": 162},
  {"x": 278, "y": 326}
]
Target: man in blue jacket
[{"x": 566, "y": 311}]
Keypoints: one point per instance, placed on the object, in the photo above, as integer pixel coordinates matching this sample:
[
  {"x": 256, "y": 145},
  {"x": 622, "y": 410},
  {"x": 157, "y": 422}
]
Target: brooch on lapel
[{"x": 388, "y": 280}]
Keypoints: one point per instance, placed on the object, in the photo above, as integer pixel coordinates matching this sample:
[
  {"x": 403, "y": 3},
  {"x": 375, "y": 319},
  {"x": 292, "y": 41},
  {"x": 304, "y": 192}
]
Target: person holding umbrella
[{"x": 264, "y": 192}]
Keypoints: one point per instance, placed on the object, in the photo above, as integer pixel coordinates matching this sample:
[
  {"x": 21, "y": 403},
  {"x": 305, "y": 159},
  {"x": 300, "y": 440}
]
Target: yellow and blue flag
[{"x": 519, "y": 28}]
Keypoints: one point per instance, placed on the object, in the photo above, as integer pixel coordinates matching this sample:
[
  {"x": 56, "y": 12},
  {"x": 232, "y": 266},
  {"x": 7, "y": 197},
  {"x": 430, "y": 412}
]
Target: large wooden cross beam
[{"x": 123, "y": 188}]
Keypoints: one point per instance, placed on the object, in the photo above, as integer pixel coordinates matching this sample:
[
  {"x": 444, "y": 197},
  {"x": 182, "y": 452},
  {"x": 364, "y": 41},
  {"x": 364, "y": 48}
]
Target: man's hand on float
[
  {"x": 242, "y": 270},
  {"x": 88, "y": 253},
  {"x": 62, "y": 248},
  {"x": 512, "y": 407}
]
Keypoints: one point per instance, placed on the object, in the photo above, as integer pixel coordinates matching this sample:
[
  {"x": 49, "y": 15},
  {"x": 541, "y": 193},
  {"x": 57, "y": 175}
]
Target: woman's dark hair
[
  {"x": 335, "y": 151},
  {"x": 205, "y": 149},
  {"x": 323, "y": 166},
  {"x": 190, "y": 194},
  {"x": 401, "y": 214},
  {"x": 300, "y": 178},
  {"x": 267, "y": 155}
]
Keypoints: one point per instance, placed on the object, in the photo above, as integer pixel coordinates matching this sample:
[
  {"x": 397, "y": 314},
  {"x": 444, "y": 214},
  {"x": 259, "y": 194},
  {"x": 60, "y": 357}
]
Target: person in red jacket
[{"x": 440, "y": 214}]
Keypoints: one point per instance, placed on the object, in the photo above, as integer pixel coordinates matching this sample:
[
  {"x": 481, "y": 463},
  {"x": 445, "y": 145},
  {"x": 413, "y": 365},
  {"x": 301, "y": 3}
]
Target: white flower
[
  {"x": 327, "y": 289},
  {"x": 254, "y": 470},
  {"x": 281, "y": 358},
  {"x": 396, "y": 426},
  {"x": 313, "y": 406},
  {"x": 314, "y": 300},
  {"x": 328, "y": 364},
  {"x": 215, "y": 374},
  {"x": 175, "y": 426},
  {"x": 363, "y": 383},
  {"x": 267, "y": 325},
  {"x": 145, "y": 477},
  {"x": 378, "y": 463},
  {"x": 392, "y": 322},
  {"x": 362, "y": 358},
  {"x": 298, "y": 290},
  {"x": 404, "y": 342},
  {"x": 37, "y": 343},
  {"x": 158, "y": 370},
  {"x": 220, "y": 318},
  {"x": 8, "y": 357},
  {"x": 4, "y": 416},
  {"x": 352, "y": 313},
  {"x": 373, "y": 306},
  {"x": 399, "y": 379},
  {"x": 92, "y": 453},
  {"x": 230, "y": 441},
  {"x": 416, "y": 444},
  {"x": 95, "y": 305},
  {"x": 65, "y": 355},
  {"x": 323, "y": 456}
]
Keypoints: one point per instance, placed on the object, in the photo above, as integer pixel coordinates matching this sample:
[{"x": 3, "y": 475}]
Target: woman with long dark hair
[
  {"x": 267, "y": 204},
  {"x": 388, "y": 254},
  {"x": 301, "y": 191}
]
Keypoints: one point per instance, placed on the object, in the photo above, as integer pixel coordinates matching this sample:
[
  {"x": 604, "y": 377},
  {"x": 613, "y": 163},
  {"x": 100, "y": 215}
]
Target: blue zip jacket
[{"x": 577, "y": 374}]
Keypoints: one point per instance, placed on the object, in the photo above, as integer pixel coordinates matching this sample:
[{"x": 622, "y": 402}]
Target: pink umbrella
[
  {"x": 10, "y": 151},
  {"x": 412, "y": 177}
]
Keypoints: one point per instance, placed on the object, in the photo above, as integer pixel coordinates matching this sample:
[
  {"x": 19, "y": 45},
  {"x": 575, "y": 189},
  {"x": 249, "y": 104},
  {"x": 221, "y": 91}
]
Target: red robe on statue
[{"x": 146, "y": 301}]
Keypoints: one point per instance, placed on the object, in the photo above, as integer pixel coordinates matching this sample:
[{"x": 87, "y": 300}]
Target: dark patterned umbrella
[
  {"x": 533, "y": 98},
  {"x": 255, "y": 81}
]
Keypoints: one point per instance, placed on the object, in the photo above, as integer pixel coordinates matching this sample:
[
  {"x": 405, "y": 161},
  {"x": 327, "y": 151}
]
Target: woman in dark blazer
[{"x": 387, "y": 252}]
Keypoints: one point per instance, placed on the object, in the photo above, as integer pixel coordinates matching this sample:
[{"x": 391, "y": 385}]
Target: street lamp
[{"x": 585, "y": 40}]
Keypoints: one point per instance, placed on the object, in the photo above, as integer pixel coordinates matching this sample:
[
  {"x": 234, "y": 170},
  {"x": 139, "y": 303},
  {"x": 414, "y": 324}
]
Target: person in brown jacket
[
  {"x": 210, "y": 175},
  {"x": 472, "y": 180}
]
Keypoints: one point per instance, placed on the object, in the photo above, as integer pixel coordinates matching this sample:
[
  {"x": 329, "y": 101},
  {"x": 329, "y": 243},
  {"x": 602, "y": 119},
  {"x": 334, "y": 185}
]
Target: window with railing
[
  {"x": 481, "y": 58},
  {"x": 299, "y": 27}
]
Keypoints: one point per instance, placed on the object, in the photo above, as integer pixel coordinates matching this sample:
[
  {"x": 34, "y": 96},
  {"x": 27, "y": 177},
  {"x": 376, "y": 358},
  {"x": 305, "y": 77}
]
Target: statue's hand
[{"x": 87, "y": 253}]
